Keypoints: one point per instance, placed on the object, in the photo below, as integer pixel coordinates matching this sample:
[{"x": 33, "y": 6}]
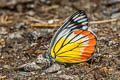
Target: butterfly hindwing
[{"x": 78, "y": 46}]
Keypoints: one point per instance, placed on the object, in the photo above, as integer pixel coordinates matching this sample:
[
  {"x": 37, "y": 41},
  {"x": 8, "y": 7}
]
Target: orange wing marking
[
  {"x": 77, "y": 31},
  {"x": 85, "y": 33}
]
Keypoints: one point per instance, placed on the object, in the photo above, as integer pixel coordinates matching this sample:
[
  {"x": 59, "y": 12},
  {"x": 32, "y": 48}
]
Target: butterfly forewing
[
  {"x": 78, "y": 21},
  {"x": 76, "y": 49}
]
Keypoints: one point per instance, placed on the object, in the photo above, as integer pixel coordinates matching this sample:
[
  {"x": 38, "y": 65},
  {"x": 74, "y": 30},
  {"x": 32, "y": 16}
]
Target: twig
[
  {"x": 35, "y": 20},
  {"x": 45, "y": 25},
  {"x": 51, "y": 7},
  {"x": 5, "y": 19},
  {"x": 104, "y": 21}
]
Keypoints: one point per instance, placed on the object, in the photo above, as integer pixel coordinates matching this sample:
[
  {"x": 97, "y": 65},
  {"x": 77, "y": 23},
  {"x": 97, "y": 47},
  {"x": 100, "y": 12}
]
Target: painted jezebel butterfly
[{"x": 73, "y": 42}]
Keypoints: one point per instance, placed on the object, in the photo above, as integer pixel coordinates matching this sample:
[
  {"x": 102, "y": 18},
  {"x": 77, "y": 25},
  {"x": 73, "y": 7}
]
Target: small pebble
[
  {"x": 95, "y": 30},
  {"x": 7, "y": 66},
  {"x": 111, "y": 43},
  {"x": 115, "y": 76},
  {"x": 43, "y": 73},
  {"x": 2, "y": 42},
  {"x": 15, "y": 35},
  {"x": 36, "y": 34},
  {"x": 25, "y": 73},
  {"x": 119, "y": 34},
  {"x": 29, "y": 67},
  {"x": 31, "y": 13},
  {"x": 66, "y": 77},
  {"x": 31, "y": 6},
  {"x": 118, "y": 57},
  {"x": 59, "y": 72},
  {"x": 119, "y": 45},
  {"x": 3, "y": 32},
  {"x": 42, "y": 0},
  {"x": 118, "y": 67},
  {"x": 110, "y": 2},
  {"x": 33, "y": 44},
  {"x": 110, "y": 56},
  {"x": 20, "y": 25},
  {"x": 50, "y": 21},
  {"x": 2, "y": 57},
  {"x": 114, "y": 29},
  {"x": 68, "y": 68},
  {"x": 115, "y": 15},
  {"x": 55, "y": 67}
]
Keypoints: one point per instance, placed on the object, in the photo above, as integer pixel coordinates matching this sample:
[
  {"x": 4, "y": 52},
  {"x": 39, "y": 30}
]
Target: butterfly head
[{"x": 48, "y": 56}]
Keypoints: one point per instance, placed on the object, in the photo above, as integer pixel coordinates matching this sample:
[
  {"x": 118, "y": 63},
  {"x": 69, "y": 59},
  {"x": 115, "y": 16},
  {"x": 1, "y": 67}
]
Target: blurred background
[
  {"x": 47, "y": 9},
  {"x": 27, "y": 26}
]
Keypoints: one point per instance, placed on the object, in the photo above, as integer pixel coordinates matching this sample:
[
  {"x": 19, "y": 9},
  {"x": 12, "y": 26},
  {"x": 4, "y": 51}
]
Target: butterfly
[{"x": 73, "y": 42}]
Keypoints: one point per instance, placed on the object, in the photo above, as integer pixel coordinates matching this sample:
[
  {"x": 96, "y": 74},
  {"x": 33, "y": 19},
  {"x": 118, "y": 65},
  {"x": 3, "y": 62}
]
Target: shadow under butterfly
[{"x": 73, "y": 42}]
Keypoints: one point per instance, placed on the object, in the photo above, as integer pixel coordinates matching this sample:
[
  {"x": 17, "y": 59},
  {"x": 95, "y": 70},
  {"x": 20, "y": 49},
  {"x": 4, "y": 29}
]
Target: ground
[{"x": 27, "y": 26}]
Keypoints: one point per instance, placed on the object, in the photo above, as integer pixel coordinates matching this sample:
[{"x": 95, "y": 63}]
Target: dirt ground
[{"x": 27, "y": 26}]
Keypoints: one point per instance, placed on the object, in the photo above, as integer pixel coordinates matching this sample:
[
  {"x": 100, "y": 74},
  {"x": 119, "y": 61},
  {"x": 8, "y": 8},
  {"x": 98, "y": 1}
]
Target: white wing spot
[
  {"x": 82, "y": 20},
  {"x": 84, "y": 23},
  {"x": 78, "y": 18},
  {"x": 75, "y": 16},
  {"x": 70, "y": 25},
  {"x": 84, "y": 27},
  {"x": 66, "y": 24}
]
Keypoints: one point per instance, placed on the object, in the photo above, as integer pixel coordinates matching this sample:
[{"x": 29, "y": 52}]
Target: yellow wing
[{"x": 77, "y": 46}]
